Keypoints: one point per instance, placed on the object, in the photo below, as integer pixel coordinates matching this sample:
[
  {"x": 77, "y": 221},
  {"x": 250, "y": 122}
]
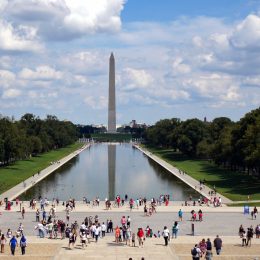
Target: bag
[
  {"x": 23, "y": 244},
  {"x": 194, "y": 251}
]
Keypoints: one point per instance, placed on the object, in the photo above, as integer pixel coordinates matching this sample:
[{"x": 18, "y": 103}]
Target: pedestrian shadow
[{"x": 115, "y": 244}]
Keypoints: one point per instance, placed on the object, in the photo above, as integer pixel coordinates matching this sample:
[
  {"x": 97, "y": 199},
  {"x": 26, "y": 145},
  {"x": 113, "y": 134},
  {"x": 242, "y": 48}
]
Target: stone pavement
[
  {"x": 153, "y": 249},
  {"x": 20, "y": 188},
  {"x": 174, "y": 206},
  {"x": 193, "y": 183}
]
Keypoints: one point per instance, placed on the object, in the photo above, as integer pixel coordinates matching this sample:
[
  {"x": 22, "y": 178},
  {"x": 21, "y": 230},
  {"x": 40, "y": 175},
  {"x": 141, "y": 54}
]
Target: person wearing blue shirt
[
  {"x": 180, "y": 213},
  {"x": 13, "y": 244}
]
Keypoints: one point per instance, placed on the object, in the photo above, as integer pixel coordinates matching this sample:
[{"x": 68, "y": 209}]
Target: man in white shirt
[{"x": 103, "y": 229}]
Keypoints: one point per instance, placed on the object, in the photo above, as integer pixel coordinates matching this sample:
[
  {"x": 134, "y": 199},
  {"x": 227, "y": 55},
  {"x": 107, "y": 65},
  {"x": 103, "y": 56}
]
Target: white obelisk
[{"x": 112, "y": 97}]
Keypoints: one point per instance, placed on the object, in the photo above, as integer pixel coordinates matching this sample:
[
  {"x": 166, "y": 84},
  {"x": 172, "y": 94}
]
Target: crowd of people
[
  {"x": 247, "y": 234},
  {"x": 204, "y": 248},
  {"x": 92, "y": 228}
]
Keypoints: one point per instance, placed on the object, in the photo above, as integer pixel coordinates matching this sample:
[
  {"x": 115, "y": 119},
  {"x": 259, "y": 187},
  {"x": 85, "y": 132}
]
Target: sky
[{"x": 174, "y": 58}]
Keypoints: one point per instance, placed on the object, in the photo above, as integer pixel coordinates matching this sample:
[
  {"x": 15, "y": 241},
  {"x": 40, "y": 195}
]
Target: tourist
[
  {"x": 44, "y": 215},
  {"x": 97, "y": 232},
  {"x": 3, "y": 242},
  {"x": 23, "y": 212},
  {"x": 255, "y": 212},
  {"x": 37, "y": 214},
  {"x": 249, "y": 235},
  {"x": 103, "y": 229},
  {"x": 196, "y": 253},
  {"x": 72, "y": 238},
  {"x": 50, "y": 229},
  {"x": 13, "y": 244},
  {"x": 83, "y": 239},
  {"x": 203, "y": 247},
  {"x": 180, "y": 214},
  {"x": 257, "y": 231},
  {"x": 145, "y": 210},
  {"x": 62, "y": 229},
  {"x": 200, "y": 215},
  {"x": 41, "y": 229},
  {"x": 209, "y": 245},
  {"x": 140, "y": 235},
  {"x": 128, "y": 221},
  {"x": 166, "y": 235},
  {"x": 241, "y": 231},
  {"x": 243, "y": 236},
  {"x": 9, "y": 233},
  {"x": 128, "y": 236},
  {"x": 23, "y": 244},
  {"x": 208, "y": 255},
  {"x": 133, "y": 239},
  {"x": 55, "y": 229},
  {"x": 175, "y": 229},
  {"x": 117, "y": 234},
  {"x": 218, "y": 244}
]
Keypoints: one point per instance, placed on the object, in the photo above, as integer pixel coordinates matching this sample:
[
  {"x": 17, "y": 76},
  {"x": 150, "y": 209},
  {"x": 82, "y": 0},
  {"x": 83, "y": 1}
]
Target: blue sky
[{"x": 174, "y": 58}]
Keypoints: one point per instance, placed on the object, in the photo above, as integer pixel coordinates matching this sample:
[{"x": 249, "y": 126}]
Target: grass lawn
[
  {"x": 233, "y": 185},
  {"x": 109, "y": 137},
  {"x": 251, "y": 204},
  {"x": 21, "y": 170}
]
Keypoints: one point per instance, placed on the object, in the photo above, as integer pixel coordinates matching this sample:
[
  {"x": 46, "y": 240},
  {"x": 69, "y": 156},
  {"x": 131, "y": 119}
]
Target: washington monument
[{"x": 112, "y": 97}]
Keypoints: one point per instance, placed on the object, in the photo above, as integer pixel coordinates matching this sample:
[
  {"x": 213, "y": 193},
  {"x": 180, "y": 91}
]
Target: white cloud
[
  {"x": 136, "y": 78},
  {"x": 179, "y": 67},
  {"x": 247, "y": 33},
  {"x": 11, "y": 93},
  {"x": 43, "y": 72},
  {"x": 214, "y": 86},
  {"x": 66, "y": 19},
  {"x": 7, "y": 78},
  {"x": 21, "y": 38},
  {"x": 96, "y": 103}
]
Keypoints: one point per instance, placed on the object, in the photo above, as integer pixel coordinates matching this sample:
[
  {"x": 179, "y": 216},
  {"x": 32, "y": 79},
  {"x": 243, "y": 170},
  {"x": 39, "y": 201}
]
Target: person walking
[
  {"x": 37, "y": 215},
  {"x": 3, "y": 242},
  {"x": 23, "y": 212},
  {"x": 218, "y": 244},
  {"x": 166, "y": 234},
  {"x": 23, "y": 244},
  {"x": 195, "y": 252},
  {"x": 180, "y": 214},
  {"x": 13, "y": 244},
  {"x": 175, "y": 229},
  {"x": 140, "y": 235}
]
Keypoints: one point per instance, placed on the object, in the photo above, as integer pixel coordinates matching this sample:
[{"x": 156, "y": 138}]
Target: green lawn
[
  {"x": 233, "y": 185},
  {"x": 251, "y": 204},
  {"x": 112, "y": 137},
  {"x": 21, "y": 170}
]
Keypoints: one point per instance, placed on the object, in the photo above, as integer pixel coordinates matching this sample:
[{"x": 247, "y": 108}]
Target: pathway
[
  {"x": 193, "y": 183},
  {"x": 154, "y": 249}
]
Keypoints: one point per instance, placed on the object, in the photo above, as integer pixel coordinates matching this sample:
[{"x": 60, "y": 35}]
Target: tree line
[
  {"x": 31, "y": 135},
  {"x": 235, "y": 145}
]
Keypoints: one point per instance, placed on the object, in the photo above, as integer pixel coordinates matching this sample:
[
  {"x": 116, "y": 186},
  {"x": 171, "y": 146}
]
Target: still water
[{"x": 106, "y": 170}]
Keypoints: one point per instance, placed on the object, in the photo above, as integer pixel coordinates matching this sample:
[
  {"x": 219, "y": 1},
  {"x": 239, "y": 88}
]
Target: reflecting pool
[{"x": 106, "y": 170}]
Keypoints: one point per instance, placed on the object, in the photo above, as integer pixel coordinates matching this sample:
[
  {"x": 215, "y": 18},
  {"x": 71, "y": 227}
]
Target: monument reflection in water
[
  {"x": 111, "y": 155},
  {"x": 107, "y": 170}
]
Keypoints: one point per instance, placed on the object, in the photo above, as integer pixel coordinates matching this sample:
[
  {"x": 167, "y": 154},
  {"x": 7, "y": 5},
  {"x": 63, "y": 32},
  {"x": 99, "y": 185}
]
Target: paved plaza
[{"x": 223, "y": 223}]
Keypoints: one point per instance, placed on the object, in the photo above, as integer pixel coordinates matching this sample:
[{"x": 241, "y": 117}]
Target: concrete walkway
[
  {"x": 20, "y": 188},
  {"x": 174, "y": 206},
  {"x": 194, "y": 184},
  {"x": 153, "y": 249}
]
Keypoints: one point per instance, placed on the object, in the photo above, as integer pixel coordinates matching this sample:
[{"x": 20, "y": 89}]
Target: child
[
  {"x": 159, "y": 234},
  {"x": 133, "y": 239}
]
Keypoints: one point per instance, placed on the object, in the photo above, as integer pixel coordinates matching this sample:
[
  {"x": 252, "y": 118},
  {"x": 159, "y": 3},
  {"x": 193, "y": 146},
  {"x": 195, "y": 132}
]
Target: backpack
[{"x": 194, "y": 251}]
